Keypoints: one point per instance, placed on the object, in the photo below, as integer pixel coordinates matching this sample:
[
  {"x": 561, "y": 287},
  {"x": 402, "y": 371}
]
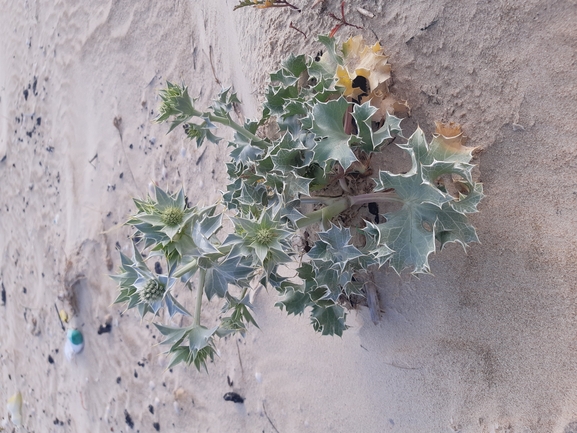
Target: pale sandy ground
[{"x": 488, "y": 344}]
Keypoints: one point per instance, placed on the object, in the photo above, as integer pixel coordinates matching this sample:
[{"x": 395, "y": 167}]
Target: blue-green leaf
[{"x": 333, "y": 143}]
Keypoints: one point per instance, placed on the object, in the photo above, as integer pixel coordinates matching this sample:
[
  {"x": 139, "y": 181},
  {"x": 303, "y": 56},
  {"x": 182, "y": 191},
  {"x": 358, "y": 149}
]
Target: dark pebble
[
  {"x": 118, "y": 379},
  {"x": 3, "y": 294},
  {"x": 157, "y": 268},
  {"x": 50, "y": 359},
  {"x": 102, "y": 329},
  {"x": 128, "y": 419},
  {"x": 156, "y": 426},
  {"x": 151, "y": 409},
  {"x": 234, "y": 397}
]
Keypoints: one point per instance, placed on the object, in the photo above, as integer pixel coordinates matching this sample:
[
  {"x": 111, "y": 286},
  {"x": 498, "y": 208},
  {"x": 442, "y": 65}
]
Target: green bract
[{"x": 303, "y": 176}]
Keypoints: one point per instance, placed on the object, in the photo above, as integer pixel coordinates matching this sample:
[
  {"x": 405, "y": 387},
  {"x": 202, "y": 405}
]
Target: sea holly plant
[{"x": 290, "y": 200}]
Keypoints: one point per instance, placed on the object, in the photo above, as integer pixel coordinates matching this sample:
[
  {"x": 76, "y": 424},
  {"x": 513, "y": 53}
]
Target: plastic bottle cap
[{"x": 75, "y": 337}]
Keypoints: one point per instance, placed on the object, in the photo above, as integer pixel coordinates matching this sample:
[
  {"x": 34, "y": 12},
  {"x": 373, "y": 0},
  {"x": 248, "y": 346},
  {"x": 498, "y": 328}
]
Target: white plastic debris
[
  {"x": 74, "y": 343},
  {"x": 365, "y": 12},
  {"x": 14, "y": 407}
]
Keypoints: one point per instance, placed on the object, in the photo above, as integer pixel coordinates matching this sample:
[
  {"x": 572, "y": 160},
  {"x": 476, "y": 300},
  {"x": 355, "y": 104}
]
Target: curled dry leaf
[
  {"x": 365, "y": 76},
  {"x": 450, "y": 136}
]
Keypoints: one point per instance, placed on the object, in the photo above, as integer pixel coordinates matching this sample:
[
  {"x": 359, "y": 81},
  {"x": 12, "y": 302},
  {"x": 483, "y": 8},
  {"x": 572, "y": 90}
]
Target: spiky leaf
[{"x": 333, "y": 143}]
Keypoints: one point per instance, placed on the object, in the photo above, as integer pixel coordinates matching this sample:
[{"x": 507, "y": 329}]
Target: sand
[{"x": 486, "y": 344}]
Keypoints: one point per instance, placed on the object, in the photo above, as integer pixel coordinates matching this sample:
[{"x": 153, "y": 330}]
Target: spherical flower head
[
  {"x": 264, "y": 236},
  {"x": 172, "y": 216},
  {"x": 152, "y": 291}
]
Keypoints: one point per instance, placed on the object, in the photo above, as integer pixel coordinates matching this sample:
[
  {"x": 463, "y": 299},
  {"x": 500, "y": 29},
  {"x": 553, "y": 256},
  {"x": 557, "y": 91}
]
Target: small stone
[
  {"x": 103, "y": 329},
  {"x": 128, "y": 419},
  {"x": 234, "y": 397},
  {"x": 517, "y": 127},
  {"x": 179, "y": 394},
  {"x": 157, "y": 268}
]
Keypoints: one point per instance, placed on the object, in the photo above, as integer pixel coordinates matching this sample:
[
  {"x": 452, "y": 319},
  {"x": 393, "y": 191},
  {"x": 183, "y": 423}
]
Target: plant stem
[
  {"x": 336, "y": 205},
  {"x": 238, "y": 128},
  {"x": 198, "y": 307},
  {"x": 186, "y": 268},
  {"x": 373, "y": 197},
  {"x": 324, "y": 215}
]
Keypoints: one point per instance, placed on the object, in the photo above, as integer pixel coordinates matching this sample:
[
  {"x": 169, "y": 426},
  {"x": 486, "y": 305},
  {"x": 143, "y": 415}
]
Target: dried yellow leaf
[
  {"x": 364, "y": 61},
  {"x": 450, "y": 134},
  {"x": 345, "y": 80},
  {"x": 449, "y": 139}
]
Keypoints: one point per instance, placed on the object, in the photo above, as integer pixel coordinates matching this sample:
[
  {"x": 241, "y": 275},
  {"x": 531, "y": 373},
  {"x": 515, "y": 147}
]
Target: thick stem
[
  {"x": 238, "y": 128},
  {"x": 324, "y": 215},
  {"x": 198, "y": 307},
  {"x": 374, "y": 197},
  {"x": 186, "y": 268},
  {"x": 334, "y": 206}
]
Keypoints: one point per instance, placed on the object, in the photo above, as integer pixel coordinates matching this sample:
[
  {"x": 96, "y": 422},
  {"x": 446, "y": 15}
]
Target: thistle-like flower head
[
  {"x": 140, "y": 288},
  {"x": 152, "y": 291},
  {"x": 263, "y": 236},
  {"x": 164, "y": 217},
  {"x": 172, "y": 216}
]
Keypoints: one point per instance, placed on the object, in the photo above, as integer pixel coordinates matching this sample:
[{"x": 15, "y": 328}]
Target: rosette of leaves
[
  {"x": 192, "y": 345},
  {"x": 142, "y": 289},
  {"x": 333, "y": 112},
  {"x": 264, "y": 239},
  {"x": 164, "y": 223}
]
